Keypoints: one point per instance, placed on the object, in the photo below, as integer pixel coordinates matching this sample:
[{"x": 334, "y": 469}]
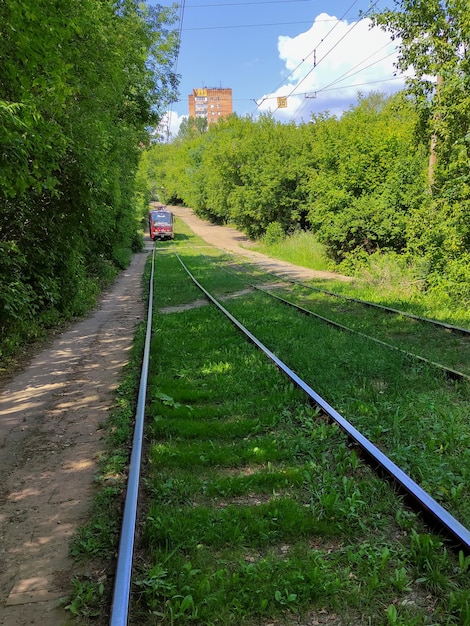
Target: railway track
[
  {"x": 438, "y": 335},
  {"x": 450, "y": 372},
  {"x": 435, "y": 514},
  {"x": 440, "y": 516},
  {"x": 374, "y": 305}
]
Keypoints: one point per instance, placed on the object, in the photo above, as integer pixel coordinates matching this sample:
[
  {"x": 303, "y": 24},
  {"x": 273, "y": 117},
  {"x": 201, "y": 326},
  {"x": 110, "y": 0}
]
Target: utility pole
[{"x": 433, "y": 155}]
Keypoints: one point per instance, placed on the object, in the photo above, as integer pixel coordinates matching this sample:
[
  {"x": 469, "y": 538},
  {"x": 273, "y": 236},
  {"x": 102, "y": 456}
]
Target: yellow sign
[
  {"x": 282, "y": 103},
  {"x": 200, "y": 92}
]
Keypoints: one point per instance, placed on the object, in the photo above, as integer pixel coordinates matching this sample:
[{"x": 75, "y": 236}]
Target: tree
[
  {"x": 191, "y": 127},
  {"x": 434, "y": 40},
  {"x": 80, "y": 83},
  {"x": 367, "y": 177}
]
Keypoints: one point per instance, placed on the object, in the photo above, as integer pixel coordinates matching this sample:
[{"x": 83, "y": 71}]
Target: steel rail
[
  {"x": 122, "y": 581},
  {"x": 424, "y": 501},
  {"x": 451, "y": 327},
  {"x": 449, "y": 372}
]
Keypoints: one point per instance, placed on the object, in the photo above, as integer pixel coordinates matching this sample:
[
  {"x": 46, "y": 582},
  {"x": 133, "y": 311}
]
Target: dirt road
[
  {"x": 50, "y": 419},
  {"x": 234, "y": 241}
]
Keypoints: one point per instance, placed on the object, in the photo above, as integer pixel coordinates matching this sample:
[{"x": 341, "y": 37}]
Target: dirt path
[
  {"x": 50, "y": 417},
  {"x": 234, "y": 241}
]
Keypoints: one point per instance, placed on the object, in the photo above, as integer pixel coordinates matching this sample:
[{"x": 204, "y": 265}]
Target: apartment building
[{"x": 211, "y": 104}]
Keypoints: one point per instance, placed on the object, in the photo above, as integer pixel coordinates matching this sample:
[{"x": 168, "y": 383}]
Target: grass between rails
[
  {"x": 258, "y": 510},
  {"x": 434, "y": 343},
  {"x": 408, "y": 409},
  {"x": 382, "y": 278}
]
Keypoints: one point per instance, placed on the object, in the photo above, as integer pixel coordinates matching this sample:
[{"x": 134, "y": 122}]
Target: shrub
[{"x": 274, "y": 234}]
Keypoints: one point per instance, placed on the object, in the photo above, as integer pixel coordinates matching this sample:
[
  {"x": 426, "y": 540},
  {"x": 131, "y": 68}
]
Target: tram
[{"x": 161, "y": 224}]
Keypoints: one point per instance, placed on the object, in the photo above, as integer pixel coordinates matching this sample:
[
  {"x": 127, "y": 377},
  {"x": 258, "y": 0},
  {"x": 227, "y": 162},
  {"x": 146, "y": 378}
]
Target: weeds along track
[
  {"x": 433, "y": 332},
  {"x": 443, "y": 345},
  {"x": 262, "y": 502},
  {"x": 387, "y": 309},
  {"x": 437, "y": 514},
  {"x": 397, "y": 330}
]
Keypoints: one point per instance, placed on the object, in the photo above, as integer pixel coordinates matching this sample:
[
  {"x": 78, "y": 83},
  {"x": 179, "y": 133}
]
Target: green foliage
[
  {"x": 300, "y": 248},
  {"x": 359, "y": 183},
  {"x": 274, "y": 234},
  {"x": 369, "y": 178},
  {"x": 191, "y": 127},
  {"x": 354, "y": 180},
  {"x": 433, "y": 39},
  {"x": 236, "y": 172},
  {"x": 73, "y": 121},
  {"x": 87, "y": 598}
]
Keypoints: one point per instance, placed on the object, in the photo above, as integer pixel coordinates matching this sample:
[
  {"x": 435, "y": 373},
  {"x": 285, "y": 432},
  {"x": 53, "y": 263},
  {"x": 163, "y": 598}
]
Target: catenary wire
[
  {"x": 241, "y": 4},
  {"x": 348, "y": 74},
  {"x": 311, "y": 52},
  {"x": 353, "y": 26},
  {"x": 314, "y": 49},
  {"x": 183, "y": 5}
]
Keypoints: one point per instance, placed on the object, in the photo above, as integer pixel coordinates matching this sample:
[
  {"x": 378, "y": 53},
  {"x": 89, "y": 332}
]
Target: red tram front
[{"x": 161, "y": 224}]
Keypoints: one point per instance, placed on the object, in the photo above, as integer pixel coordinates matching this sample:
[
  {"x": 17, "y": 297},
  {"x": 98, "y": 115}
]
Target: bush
[
  {"x": 137, "y": 244},
  {"x": 122, "y": 257},
  {"x": 388, "y": 272},
  {"x": 274, "y": 234}
]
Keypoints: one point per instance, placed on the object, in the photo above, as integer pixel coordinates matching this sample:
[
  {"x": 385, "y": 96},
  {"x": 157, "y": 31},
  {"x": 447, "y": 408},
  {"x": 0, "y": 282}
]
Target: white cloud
[
  {"x": 169, "y": 125},
  {"x": 326, "y": 67},
  {"x": 175, "y": 121}
]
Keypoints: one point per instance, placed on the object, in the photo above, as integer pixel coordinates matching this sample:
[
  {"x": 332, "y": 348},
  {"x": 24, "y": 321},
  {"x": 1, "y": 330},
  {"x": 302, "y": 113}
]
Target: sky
[{"x": 318, "y": 54}]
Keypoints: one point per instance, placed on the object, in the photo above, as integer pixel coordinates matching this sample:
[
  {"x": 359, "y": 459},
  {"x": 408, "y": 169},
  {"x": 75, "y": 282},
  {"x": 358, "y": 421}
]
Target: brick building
[{"x": 212, "y": 104}]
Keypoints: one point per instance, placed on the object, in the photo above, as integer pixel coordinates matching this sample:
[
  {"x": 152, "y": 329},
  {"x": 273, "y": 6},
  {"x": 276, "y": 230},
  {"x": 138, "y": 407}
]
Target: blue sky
[{"x": 317, "y": 54}]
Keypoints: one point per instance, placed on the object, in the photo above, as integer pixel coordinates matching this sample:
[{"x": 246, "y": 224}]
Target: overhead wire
[
  {"x": 312, "y": 52},
  {"x": 250, "y": 25},
  {"x": 348, "y": 74},
  {"x": 175, "y": 65},
  {"x": 240, "y": 4},
  {"x": 322, "y": 89},
  {"x": 183, "y": 5},
  {"x": 352, "y": 27}
]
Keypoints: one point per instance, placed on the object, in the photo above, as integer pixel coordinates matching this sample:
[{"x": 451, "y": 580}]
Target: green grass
[
  {"x": 436, "y": 344},
  {"x": 408, "y": 409},
  {"x": 383, "y": 279},
  {"x": 255, "y": 508},
  {"x": 432, "y": 342},
  {"x": 301, "y": 248},
  {"x": 258, "y": 510}
]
